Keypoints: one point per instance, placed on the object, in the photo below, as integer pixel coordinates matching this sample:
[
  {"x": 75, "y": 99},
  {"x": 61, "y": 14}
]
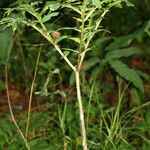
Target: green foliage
[
  {"x": 2, "y": 85},
  {"x": 123, "y": 41},
  {"x": 125, "y": 52},
  {"x": 5, "y": 43},
  {"x": 81, "y": 25},
  {"x": 127, "y": 73},
  {"x": 119, "y": 49}
]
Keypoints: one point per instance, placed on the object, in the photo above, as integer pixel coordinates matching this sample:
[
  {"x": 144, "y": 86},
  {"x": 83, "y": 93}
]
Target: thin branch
[
  {"x": 48, "y": 37},
  {"x": 31, "y": 93},
  {"x": 11, "y": 111},
  {"x": 82, "y": 55},
  {"x": 9, "y": 103},
  {"x": 82, "y": 121},
  {"x": 65, "y": 58}
]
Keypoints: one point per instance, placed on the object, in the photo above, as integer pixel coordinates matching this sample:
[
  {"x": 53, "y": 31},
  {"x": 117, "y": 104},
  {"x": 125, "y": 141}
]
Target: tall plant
[{"x": 88, "y": 15}]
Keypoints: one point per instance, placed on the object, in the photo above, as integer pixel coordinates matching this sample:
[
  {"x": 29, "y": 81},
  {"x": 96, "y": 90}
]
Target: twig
[
  {"x": 31, "y": 93},
  {"x": 9, "y": 103}
]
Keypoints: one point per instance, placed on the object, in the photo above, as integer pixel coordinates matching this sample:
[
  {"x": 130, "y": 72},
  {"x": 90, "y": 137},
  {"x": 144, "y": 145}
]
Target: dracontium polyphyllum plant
[{"x": 88, "y": 15}]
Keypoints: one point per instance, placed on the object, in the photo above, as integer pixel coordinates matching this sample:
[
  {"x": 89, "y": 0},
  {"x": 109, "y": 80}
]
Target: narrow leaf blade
[
  {"x": 127, "y": 73},
  {"x": 119, "y": 53}
]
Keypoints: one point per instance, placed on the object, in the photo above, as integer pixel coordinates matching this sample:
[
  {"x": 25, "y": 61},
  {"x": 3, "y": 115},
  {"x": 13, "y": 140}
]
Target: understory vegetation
[{"x": 74, "y": 75}]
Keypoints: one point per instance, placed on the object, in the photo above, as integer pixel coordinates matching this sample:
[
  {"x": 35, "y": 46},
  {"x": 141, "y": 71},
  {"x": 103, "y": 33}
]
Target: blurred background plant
[{"x": 115, "y": 84}]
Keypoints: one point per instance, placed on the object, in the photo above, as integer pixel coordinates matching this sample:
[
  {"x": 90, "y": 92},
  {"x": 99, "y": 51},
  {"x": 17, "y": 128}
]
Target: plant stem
[
  {"x": 76, "y": 71},
  {"x": 65, "y": 58},
  {"x": 9, "y": 103},
  {"x": 82, "y": 122},
  {"x": 31, "y": 92},
  {"x": 11, "y": 111}
]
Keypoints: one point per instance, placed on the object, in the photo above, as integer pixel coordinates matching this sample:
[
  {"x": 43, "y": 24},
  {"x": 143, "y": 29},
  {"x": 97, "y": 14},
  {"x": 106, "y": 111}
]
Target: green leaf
[
  {"x": 127, "y": 73},
  {"x": 61, "y": 38},
  {"x": 66, "y": 53},
  {"x": 89, "y": 14},
  {"x": 120, "y": 42},
  {"x": 3, "y": 134},
  {"x": 36, "y": 3},
  {"x": 69, "y": 28},
  {"x": 77, "y": 40},
  {"x": 5, "y": 43},
  {"x": 2, "y": 85},
  {"x": 77, "y": 19},
  {"x": 39, "y": 143},
  {"x": 2, "y": 141},
  {"x": 119, "y": 53},
  {"x": 143, "y": 75},
  {"x": 90, "y": 62},
  {"x": 71, "y": 50},
  {"x": 147, "y": 114},
  {"x": 52, "y": 6},
  {"x": 97, "y": 3},
  {"x": 124, "y": 41},
  {"x": 14, "y": 146},
  {"x": 72, "y": 79},
  {"x": 42, "y": 121},
  {"x": 49, "y": 16},
  {"x": 128, "y": 3},
  {"x": 76, "y": 9}
]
